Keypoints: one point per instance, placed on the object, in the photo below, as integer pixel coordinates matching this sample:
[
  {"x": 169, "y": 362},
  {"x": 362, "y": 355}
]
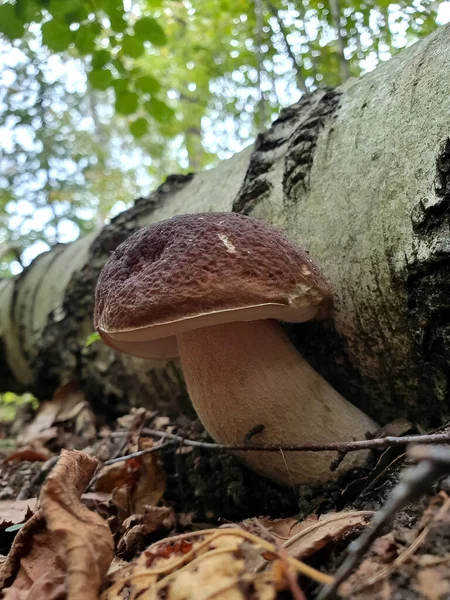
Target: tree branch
[
  {"x": 298, "y": 67},
  {"x": 260, "y": 59},
  {"x": 336, "y": 19}
]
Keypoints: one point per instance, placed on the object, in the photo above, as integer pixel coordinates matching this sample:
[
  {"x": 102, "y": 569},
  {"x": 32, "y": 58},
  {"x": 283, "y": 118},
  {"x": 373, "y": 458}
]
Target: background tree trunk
[{"x": 359, "y": 175}]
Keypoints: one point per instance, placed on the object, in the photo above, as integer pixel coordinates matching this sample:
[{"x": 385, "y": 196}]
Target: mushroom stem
[{"x": 243, "y": 374}]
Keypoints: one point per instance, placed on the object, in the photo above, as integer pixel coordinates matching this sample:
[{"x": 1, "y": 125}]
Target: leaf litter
[{"x": 126, "y": 538}]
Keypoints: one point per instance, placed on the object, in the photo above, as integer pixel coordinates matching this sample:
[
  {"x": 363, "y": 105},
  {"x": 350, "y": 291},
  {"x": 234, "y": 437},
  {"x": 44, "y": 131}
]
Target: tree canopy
[{"x": 101, "y": 99}]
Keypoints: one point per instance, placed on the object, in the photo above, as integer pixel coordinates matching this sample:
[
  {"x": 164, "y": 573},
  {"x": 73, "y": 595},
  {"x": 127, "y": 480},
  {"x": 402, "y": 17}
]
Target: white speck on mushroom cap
[
  {"x": 227, "y": 243},
  {"x": 305, "y": 270}
]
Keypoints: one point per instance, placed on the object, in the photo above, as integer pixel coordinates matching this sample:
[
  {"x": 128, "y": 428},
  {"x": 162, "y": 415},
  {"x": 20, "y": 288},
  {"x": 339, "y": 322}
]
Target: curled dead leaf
[{"x": 64, "y": 547}]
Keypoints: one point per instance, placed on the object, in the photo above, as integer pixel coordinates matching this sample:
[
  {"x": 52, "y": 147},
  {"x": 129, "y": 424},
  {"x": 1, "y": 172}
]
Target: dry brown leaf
[
  {"x": 136, "y": 529},
  {"x": 434, "y": 583},
  {"x": 20, "y": 548},
  {"x": 64, "y": 544},
  {"x": 41, "y": 423},
  {"x": 86, "y": 537},
  {"x": 189, "y": 567},
  {"x": 282, "y": 529},
  {"x": 13, "y": 512},
  {"x": 115, "y": 476},
  {"x": 42, "y": 570},
  {"x": 307, "y": 537},
  {"x": 34, "y": 451},
  {"x": 328, "y": 528},
  {"x": 205, "y": 564},
  {"x": 151, "y": 483},
  {"x": 134, "y": 483},
  {"x": 68, "y": 404}
]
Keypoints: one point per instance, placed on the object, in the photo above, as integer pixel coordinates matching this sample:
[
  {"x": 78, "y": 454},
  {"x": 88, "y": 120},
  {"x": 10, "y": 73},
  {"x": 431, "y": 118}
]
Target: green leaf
[
  {"x": 159, "y": 111},
  {"x": 77, "y": 14},
  {"x": 10, "y": 24},
  {"x": 85, "y": 38},
  {"x": 150, "y": 30},
  {"x": 127, "y": 103},
  {"x": 93, "y": 337},
  {"x": 118, "y": 23},
  {"x": 148, "y": 84},
  {"x": 28, "y": 10},
  {"x": 139, "y": 127},
  {"x": 132, "y": 46},
  {"x": 56, "y": 36},
  {"x": 74, "y": 11},
  {"x": 117, "y": 62},
  {"x": 100, "y": 79},
  {"x": 13, "y": 528},
  {"x": 100, "y": 58},
  {"x": 120, "y": 85}
]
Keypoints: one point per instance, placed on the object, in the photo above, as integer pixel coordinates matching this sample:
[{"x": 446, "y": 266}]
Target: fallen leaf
[
  {"x": 434, "y": 583},
  {"x": 280, "y": 528},
  {"x": 34, "y": 451},
  {"x": 68, "y": 405},
  {"x": 134, "y": 483},
  {"x": 13, "y": 512},
  {"x": 64, "y": 548},
  {"x": 196, "y": 566},
  {"x": 328, "y": 528},
  {"x": 307, "y": 537},
  {"x": 151, "y": 484},
  {"x": 137, "y": 529},
  {"x": 115, "y": 476},
  {"x": 43, "y": 421}
]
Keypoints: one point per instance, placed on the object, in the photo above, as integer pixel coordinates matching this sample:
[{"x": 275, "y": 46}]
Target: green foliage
[
  {"x": 102, "y": 100},
  {"x": 13, "y": 528},
  {"x": 93, "y": 337},
  {"x": 139, "y": 127},
  {"x": 148, "y": 29},
  {"x": 99, "y": 30},
  {"x": 10, "y": 403}
]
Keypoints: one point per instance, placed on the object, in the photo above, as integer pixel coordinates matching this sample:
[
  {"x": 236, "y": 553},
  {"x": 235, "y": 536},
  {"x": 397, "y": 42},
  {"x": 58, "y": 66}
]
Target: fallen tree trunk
[{"x": 359, "y": 175}]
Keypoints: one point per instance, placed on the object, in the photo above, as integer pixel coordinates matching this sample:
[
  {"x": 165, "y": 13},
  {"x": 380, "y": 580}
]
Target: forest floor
[{"x": 183, "y": 522}]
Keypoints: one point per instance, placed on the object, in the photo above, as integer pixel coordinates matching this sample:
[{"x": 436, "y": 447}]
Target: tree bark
[{"x": 360, "y": 176}]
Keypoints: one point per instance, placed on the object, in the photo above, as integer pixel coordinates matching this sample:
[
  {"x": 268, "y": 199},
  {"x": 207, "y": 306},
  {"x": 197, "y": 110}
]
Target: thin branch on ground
[
  {"x": 415, "y": 481},
  {"x": 341, "y": 447},
  {"x": 139, "y": 453}
]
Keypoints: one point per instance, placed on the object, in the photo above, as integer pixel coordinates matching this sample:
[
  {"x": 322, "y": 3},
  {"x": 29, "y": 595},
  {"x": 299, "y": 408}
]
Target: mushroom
[{"x": 210, "y": 289}]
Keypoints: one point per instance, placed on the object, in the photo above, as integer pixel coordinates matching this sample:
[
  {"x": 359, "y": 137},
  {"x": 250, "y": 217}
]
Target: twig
[
  {"x": 341, "y": 447},
  {"x": 384, "y": 442},
  {"x": 139, "y": 453},
  {"x": 301, "y": 84},
  {"x": 435, "y": 462},
  {"x": 259, "y": 19},
  {"x": 336, "y": 19}
]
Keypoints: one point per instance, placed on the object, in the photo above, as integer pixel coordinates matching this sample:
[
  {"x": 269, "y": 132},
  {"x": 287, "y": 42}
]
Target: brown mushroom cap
[{"x": 198, "y": 270}]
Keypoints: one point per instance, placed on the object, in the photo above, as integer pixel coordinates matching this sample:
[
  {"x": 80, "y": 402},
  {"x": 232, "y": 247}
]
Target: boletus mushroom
[{"x": 210, "y": 289}]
